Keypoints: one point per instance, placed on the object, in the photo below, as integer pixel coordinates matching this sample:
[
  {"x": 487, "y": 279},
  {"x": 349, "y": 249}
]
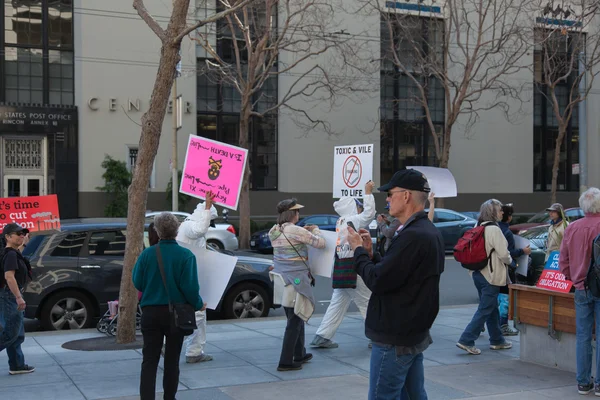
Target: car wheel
[
  {"x": 215, "y": 244},
  {"x": 246, "y": 300},
  {"x": 67, "y": 310}
]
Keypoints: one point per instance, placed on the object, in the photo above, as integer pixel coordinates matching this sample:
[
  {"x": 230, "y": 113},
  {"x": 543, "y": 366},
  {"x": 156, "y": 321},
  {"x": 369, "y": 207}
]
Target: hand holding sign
[{"x": 210, "y": 198}]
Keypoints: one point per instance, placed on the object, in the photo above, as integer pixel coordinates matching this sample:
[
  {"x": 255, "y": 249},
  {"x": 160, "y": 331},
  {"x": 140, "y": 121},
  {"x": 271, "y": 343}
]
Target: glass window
[
  {"x": 333, "y": 220},
  {"x": 71, "y": 245},
  {"x": 319, "y": 220},
  {"x": 442, "y": 216},
  {"x": 61, "y": 77},
  {"x": 24, "y": 75},
  {"x": 107, "y": 243},
  {"x": 60, "y": 23},
  {"x": 23, "y": 23},
  {"x": 207, "y": 126}
]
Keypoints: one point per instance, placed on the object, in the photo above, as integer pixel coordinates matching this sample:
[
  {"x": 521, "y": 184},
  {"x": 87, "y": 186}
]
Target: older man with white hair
[{"x": 574, "y": 262}]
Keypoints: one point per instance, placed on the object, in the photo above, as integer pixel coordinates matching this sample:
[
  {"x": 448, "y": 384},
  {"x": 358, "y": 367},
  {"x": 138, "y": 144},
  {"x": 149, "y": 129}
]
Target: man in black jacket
[{"x": 405, "y": 286}]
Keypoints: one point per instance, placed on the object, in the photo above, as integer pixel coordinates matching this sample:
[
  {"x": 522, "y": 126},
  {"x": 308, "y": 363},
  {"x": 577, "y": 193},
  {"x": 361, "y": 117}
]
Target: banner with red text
[
  {"x": 551, "y": 277},
  {"x": 36, "y": 213}
]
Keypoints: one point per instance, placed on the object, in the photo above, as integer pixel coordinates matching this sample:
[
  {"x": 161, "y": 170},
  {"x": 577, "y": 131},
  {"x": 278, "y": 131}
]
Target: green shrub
[{"x": 116, "y": 182}]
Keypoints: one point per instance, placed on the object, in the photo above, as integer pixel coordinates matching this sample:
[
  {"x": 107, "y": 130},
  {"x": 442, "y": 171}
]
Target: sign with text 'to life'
[
  {"x": 352, "y": 169},
  {"x": 214, "y": 166},
  {"x": 36, "y": 213},
  {"x": 551, "y": 277}
]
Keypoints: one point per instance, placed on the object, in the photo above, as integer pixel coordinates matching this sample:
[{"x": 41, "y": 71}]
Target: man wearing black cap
[
  {"x": 405, "y": 286},
  {"x": 13, "y": 278}
]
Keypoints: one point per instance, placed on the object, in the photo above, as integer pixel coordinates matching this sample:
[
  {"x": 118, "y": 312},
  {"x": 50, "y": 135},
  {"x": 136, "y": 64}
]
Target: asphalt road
[{"x": 456, "y": 288}]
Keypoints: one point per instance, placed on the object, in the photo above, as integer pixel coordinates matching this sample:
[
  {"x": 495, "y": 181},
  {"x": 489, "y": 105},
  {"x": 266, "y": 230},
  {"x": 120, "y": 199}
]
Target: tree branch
[{"x": 142, "y": 11}]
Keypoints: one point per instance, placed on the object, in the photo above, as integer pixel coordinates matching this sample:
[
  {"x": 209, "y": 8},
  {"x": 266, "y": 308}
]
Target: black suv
[{"x": 78, "y": 270}]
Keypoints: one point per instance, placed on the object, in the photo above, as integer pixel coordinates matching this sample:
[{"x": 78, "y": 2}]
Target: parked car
[
  {"x": 471, "y": 214},
  {"x": 537, "y": 238},
  {"x": 78, "y": 270},
  {"x": 543, "y": 218},
  {"x": 260, "y": 241},
  {"x": 219, "y": 236},
  {"x": 452, "y": 225},
  {"x": 538, "y": 235}
]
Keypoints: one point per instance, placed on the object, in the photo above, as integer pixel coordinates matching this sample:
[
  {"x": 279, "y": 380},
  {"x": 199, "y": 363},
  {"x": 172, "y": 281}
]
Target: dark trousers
[
  {"x": 155, "y": 326},
  {"x": 293, "y": 340}
]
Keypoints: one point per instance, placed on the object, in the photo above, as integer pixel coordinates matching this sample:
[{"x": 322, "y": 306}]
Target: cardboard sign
[
  {"x": 551, "y": 277},
  {"x": 36, "y": 213},
  {"x": 352, "y": 169},
  {"x": 214, "y": 166},
  {"x": 441, "y": 181}
]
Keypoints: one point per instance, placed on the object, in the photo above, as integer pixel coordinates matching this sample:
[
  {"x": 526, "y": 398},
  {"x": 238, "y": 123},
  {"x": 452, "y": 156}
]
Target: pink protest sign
[{"x": 214, "y": 166}]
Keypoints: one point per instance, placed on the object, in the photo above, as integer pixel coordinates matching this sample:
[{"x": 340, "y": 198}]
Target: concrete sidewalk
[{"x": 245, "y": 361}]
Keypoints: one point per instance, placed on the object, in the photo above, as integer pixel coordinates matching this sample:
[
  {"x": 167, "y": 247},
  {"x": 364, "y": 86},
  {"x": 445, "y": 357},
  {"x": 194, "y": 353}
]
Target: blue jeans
[
  {"x": 487, "y": 313},
  {"x": 586, "y": 308},
  {"x": 395, "y": 377},
  {"x": 12, "y": 329}
]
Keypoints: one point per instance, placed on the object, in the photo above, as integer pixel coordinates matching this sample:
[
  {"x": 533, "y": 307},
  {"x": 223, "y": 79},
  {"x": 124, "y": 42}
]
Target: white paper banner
[
  {"x": 320, "y": 261},
  {"x": 441, "y": 181},
  {"x": 352, "y": 169},
  {"x": 214, "y": 271},
  {"x": 523, "y": 261}
]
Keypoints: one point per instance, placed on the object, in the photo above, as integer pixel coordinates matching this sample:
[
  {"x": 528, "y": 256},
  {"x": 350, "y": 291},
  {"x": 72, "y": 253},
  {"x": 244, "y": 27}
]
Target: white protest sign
[
  {"x": 214, "y": 271},
  {"x": 352, "y": 169},
  {"x": 320, "y": 261},
  {"x": 441, "y": 181},
  {"x": 523, "y": 261}
]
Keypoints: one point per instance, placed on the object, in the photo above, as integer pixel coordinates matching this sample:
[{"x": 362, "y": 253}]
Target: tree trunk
[
  {"x": 562, "y": 130},
  {"x": 245, "y": 195},
  {"x": 152, "y": 123}
]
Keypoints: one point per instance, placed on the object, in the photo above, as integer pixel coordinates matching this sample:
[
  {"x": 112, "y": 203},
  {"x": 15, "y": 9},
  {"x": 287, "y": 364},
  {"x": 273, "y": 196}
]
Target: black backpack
[{"x": 592, "y": 281}]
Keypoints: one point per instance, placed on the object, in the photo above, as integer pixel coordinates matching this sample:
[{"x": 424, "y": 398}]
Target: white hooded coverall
[
  {"x": 340, "y": 301},
  {"x": 192, "y": 232}
]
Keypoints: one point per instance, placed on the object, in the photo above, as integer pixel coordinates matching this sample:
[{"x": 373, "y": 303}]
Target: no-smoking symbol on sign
[{"x": 352, "y": 171}]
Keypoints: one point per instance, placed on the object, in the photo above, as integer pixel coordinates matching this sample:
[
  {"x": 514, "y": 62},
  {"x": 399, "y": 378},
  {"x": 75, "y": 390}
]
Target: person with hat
[
  {"x": 14, "y": 276},
  {"x": 556, "y": 231},
  {"x": 405, "y": 290},
  {"x": 290, "y": 256},
  {"x": 350, "y": 211}
]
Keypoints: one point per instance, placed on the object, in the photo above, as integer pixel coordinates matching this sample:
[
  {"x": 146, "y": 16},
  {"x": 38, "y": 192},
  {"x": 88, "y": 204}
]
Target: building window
[
  {"x": 38, "y": 52},
  {"x": 405, "y": 135},
  {"x": 132, "y": 154},
  {"x": 545, "y": 124}
]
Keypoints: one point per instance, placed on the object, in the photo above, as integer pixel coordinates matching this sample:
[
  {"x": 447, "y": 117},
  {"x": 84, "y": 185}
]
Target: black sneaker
[
  {"x": 307, "y": 357},
  {"x": 25, "y": 369},
  {"x": 297, "y": 366},
  {"x": 585, "y": 389}
]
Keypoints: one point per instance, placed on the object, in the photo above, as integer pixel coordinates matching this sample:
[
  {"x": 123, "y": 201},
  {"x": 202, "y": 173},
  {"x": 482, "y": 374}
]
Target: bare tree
[
  {"x": 292, "y": 38},
  {"x": 469, "y": 49},
  {"x": 567, "y": 57},
  {"x": 152, "y": 122}
]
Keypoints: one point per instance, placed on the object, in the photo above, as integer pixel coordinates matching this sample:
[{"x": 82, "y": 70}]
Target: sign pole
[{"x": 175, "y": 176}]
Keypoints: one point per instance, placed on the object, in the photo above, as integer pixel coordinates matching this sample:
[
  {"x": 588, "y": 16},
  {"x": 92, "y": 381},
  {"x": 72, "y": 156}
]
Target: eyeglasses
[{"x": 392, "y": 192}]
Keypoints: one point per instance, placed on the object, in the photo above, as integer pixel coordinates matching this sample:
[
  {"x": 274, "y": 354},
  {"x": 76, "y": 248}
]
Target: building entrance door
[{"x": 24, "y": 169}]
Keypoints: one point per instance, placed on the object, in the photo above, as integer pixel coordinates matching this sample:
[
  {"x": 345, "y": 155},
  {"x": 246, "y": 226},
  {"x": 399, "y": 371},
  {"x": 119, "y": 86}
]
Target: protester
[
  {"x": 574, "y": 263},
  {"x": 556, "y": 230},
  {"x": 387, "y": 227},
  {"x": 290, "y": 255},
  {"x": 508, "y": 211},
  {"x": 14, "y": 275},
  {"x": 341, "y": 298},
  {"x": 181, "y": 275},
  {"x": 488, "y": 282},
  {"x": 405, "y": 290},
  {"x": 192, "y": 232}
]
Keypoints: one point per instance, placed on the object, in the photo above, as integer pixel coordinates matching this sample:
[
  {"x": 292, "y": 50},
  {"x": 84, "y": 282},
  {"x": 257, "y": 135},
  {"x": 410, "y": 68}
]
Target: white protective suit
[
  {"x": 192, "y": 232},
  {"x": 340, "y": 301}
]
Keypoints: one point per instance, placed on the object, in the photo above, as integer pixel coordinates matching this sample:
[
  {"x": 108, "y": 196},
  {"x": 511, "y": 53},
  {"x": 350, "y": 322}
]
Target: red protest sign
[
  {"x": 36, "y": 213},
  {"x": 554, "y": 280}
]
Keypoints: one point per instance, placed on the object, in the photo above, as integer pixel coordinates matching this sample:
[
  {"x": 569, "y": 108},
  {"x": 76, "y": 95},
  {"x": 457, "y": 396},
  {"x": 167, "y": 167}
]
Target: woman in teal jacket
[{"x": 181, "y": 274}]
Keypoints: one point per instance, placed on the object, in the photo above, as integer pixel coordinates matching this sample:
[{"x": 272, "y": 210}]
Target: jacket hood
[
  {"x": 345, "y": 207},
  {"x": 199, "y": 211}
]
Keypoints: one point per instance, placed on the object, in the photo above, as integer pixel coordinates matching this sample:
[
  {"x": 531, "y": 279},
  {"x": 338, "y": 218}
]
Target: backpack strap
[{"x": 485, "y": 225}]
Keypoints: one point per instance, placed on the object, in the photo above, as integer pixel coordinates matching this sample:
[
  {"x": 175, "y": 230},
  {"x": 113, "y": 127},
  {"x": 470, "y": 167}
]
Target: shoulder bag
[{"x": 183, "y": 315}]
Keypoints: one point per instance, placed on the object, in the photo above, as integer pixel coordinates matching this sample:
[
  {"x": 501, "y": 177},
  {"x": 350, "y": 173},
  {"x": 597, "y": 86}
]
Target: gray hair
[
  {"x": 489, "y": 211},
  {"x": 286, "y": 216},
  {"x": 166, "y": 225},
  {"x": 420, "y": 197},
  {"x": 590, "y": 201}
]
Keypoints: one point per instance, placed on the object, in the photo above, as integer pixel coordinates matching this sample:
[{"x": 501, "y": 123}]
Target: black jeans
[
  {"x": 155, "y": 326},
  {"x": 293, "y": 340}
]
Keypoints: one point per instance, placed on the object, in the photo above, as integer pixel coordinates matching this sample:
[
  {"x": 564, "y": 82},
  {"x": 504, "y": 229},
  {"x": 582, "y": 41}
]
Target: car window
[
  {"x": 573, "y": 215},
  {"x": 107, "y": 243},
  {"x": 70, "y": 246},
  {"x": 442, "y": 216},
  {"x": 539, "y": 218},
  {"x": 318, "y": 220},
  {"x": 333, "y": 220}
]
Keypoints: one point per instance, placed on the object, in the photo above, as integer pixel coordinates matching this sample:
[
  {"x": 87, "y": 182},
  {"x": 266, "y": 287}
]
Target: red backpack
[{"x": 470, "y": 249}]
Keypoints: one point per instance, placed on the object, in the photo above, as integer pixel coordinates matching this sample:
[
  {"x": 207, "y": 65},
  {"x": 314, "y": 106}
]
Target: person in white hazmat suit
[
  {"x": 347, "y": 208},
  {"x": 192, "y": 231}
]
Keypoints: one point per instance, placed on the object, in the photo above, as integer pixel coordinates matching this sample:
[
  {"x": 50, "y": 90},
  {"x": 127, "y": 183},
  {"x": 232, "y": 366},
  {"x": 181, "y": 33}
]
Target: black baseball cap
[
  {"x": 409, "y": 179},
  {"x": 13, "y": 228}
]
